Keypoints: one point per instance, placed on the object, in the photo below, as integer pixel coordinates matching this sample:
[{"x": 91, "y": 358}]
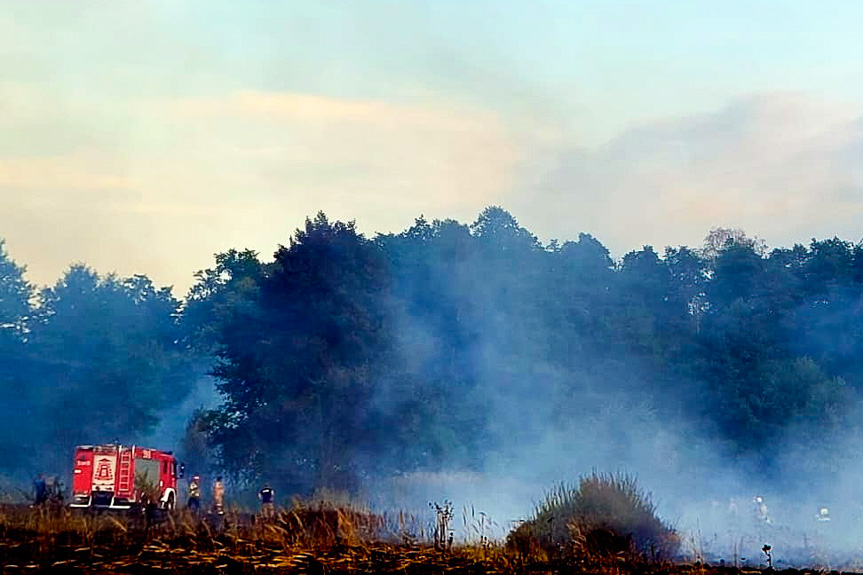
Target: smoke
[
  {"x": 168, "y": 433},
  {"x": 706, "y": 495},
  {"x": 511, "y": 369},
  {"x": 542, "y": 422}
]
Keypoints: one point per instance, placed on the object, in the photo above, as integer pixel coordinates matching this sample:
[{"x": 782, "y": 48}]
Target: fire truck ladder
[{"x": 124, "y": 475}]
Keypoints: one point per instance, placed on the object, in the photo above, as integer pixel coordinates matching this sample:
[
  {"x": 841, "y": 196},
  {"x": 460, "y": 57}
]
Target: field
[{"x": 303, "y": 539}]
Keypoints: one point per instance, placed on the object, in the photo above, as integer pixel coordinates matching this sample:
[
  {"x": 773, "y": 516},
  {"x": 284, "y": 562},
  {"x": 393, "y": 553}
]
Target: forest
[{"x": 344, "y": 357}]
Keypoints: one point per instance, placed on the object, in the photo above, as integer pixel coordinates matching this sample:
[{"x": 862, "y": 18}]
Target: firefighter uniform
[
  {"x": 40, "y": 490},
  {"x": 219, "y": 496},
  {"x": 195, "y": 494},
  {"x": 267, "y": 495}
]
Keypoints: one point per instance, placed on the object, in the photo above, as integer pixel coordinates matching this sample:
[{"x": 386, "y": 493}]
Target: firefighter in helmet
[
  {"x": 267, "y": 495},
  {"x": 760, "y": 509},
  {"x": 194, "y": 493},
  {"x": 219, "y": 496},
  {"x": 40, "y": 490},
  {"x": 54, "y": 489}
]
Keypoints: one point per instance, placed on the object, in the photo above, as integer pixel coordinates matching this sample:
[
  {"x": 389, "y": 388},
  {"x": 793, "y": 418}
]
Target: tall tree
[
  {"x": 644, "y": 286},
  {"x": 16, "y": 294},
  {"x": 346, "y": 356},
  {"x": 15, "y": 367},
  {"x": 297, "y": 387},
  {"x": 109, "y": 357}
]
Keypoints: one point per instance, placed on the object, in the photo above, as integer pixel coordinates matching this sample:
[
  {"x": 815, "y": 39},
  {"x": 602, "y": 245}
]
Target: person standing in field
[
  {"x": 194, "y": 503},
  {"x": 267, "y": 495},
  {"x": 219, "y": 496},
  {"x": 40, "y": 490}
]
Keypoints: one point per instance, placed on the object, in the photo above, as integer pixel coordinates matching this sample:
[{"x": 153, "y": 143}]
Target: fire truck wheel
[{"x": 169, "y": 504}]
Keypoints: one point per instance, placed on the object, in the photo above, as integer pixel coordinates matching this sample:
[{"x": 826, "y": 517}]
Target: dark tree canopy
[
  {"x": 102, "y": 357},
  {"x": 15, "y": 313},
  {"x": 345, "y": 357},
  {"x": 349, "y": 356}
]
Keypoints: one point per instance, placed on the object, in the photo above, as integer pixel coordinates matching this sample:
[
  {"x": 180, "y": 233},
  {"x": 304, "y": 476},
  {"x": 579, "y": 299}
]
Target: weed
[
  {"x": 606, "y": 520},
  {"x": 443, "y": 536}
]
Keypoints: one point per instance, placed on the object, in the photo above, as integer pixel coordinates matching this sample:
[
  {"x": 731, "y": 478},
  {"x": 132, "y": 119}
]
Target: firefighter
[
  {"x": 40, "y": 490},
  {"x": 194, "y": 494},
  {"x": 733, "y": 510},
  {"x": 267, "y": 495},
  {"x": 760, "y": 508},
  {"x": 53, "y": 490},
  {"x": 219, "y": 496},
  {"x": 149, "y": 503}
]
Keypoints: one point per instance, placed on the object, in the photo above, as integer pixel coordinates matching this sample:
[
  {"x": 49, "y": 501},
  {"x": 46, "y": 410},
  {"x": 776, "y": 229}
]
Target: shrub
[{"x": 607, "y": 518}]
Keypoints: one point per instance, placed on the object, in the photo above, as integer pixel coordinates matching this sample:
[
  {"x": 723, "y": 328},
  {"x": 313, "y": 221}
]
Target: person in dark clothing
[
  {"x": 40, "y": 491},
  {"x": 267, "y": 495},
  {"x": 150, "y": 505},
  {"x": 53, "y": 490}
]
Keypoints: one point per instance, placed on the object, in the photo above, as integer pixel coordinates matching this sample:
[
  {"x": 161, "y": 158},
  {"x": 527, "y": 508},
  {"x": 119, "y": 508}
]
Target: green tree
[
  {"x": 582, "y": 277},
  {"x": 224, "y": 304},
  {"x": 109, "y": 356},
  {"x": 297, "y": 385},
  {"x": 16, "y": 294},
  {"x": 16, "y": 409},
  {"x": 642, "y": 313},
  {"x": 497, "y": 227}
]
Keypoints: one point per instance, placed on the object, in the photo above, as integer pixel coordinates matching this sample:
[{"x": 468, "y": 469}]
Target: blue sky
[{"x": 142, "y": 137}]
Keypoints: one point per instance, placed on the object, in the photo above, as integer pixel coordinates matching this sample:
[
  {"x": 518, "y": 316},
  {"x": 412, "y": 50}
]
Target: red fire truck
[{"x": 119, "y": 476}]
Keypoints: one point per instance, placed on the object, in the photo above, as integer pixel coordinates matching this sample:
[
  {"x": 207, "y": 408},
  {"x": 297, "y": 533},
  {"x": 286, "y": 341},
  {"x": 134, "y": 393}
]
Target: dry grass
[
  {"x": 308, "y": 537},
  {"x": 304, "y": 538},
  {"x": 606, "y": 523}
]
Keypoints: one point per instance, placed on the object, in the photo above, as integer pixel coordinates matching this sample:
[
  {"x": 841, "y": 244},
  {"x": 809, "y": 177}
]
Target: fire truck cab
[{"x": 116, "y": 476}]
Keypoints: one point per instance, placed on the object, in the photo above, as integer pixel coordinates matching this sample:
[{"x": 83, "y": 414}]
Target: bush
[{"x": 607, "y": 518}]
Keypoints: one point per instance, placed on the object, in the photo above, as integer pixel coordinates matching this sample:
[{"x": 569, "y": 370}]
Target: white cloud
[
  {"x": 781, "y": 166},
  {"x": 313, "y": 152},
  {"x": 181, "y": 179},
  {"x": 184, "y": 178},
  {"x": 64, "y": 173}
]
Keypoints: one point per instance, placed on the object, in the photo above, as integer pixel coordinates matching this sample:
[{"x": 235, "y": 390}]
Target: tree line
[{"x": 347, "y": 356}]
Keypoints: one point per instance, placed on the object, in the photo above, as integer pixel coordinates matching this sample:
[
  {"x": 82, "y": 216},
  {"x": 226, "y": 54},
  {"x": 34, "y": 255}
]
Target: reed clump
[{"x": 604, "y": 521}]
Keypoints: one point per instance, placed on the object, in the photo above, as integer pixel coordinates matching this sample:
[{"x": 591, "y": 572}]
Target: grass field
[{"x": 317, "y": 539}]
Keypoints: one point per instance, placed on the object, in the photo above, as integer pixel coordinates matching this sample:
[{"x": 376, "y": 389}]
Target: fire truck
[{"x": 117, "y": 476}]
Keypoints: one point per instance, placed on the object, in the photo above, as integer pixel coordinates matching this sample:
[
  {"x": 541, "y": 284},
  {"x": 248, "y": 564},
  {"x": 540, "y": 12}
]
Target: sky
[{"x": 144, "y": 137}]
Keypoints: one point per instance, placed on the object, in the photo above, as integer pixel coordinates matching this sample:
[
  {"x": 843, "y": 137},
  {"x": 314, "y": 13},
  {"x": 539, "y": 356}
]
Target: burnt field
[{"x": 315, "y": 539}]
